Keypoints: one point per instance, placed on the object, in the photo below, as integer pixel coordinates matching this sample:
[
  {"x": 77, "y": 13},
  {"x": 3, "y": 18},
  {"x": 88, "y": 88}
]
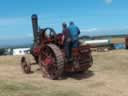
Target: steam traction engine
[{"x": 48, "y": 52}]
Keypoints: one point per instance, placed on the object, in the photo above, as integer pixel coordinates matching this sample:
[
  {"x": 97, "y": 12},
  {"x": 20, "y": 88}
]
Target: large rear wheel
[{"x": 51, "y": 61}]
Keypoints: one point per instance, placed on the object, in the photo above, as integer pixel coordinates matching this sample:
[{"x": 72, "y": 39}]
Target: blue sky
[{"x": 93, "y": 17}]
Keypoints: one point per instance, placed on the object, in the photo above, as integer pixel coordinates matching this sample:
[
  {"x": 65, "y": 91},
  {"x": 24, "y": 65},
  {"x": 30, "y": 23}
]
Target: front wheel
[{"x": 25, "y": 65}]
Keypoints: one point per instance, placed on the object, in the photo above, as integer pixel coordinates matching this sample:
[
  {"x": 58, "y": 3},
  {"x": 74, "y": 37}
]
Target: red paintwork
[
  {"x": 48, "y": 61},
  {"x": 36, "y": 51}
]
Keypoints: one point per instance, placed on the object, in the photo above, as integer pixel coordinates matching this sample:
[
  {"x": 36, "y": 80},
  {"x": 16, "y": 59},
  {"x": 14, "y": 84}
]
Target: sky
[{"x": 93, "y": 17}]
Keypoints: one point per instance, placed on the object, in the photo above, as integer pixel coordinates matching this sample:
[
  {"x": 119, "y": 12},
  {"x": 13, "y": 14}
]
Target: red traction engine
[{"x": 48, "y": 52}]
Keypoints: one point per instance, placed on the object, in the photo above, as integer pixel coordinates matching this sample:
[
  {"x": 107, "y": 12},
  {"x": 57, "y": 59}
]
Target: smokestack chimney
[{"x": 35, "y": 27}]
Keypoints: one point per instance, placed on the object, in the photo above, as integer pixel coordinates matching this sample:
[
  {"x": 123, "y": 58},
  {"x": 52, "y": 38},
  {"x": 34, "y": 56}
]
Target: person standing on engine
[
  {"x": 74, "y": 32},
  {"x": 67, "y": 41}
]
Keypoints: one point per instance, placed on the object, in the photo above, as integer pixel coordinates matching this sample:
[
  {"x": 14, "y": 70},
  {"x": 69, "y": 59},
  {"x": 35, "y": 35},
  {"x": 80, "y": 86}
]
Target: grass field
[{"x": 107, "y": 77}]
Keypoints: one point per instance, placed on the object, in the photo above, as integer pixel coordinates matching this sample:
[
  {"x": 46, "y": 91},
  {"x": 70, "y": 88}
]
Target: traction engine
[{"x": 48, "y": 52}]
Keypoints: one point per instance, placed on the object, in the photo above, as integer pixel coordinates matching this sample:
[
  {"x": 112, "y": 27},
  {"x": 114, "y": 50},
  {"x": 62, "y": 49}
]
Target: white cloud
[
  {"x": 108, "y": 1},
  {"x": 7, "y": 37},
  {"x": 13, "y": 21},
  {"x": 89, "y": 30}
]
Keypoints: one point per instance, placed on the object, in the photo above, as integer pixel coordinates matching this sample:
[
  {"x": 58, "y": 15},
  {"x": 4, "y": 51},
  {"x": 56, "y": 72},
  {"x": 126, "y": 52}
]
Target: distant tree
[{"x": 2, "y": 51}]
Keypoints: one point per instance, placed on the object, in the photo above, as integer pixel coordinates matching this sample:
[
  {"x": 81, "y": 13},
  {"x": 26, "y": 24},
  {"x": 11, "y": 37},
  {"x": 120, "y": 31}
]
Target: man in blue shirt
[{"x": 74, "y": 32}]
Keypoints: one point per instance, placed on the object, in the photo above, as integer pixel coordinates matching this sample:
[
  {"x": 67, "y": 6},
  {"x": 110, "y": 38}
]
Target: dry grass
[
  {"x": 118, "y": 40},
  {"x": 107, "y": 77}
]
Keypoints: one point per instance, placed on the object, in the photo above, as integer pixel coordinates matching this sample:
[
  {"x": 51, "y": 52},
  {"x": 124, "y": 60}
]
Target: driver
[{"x": 67, "y": 41}]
